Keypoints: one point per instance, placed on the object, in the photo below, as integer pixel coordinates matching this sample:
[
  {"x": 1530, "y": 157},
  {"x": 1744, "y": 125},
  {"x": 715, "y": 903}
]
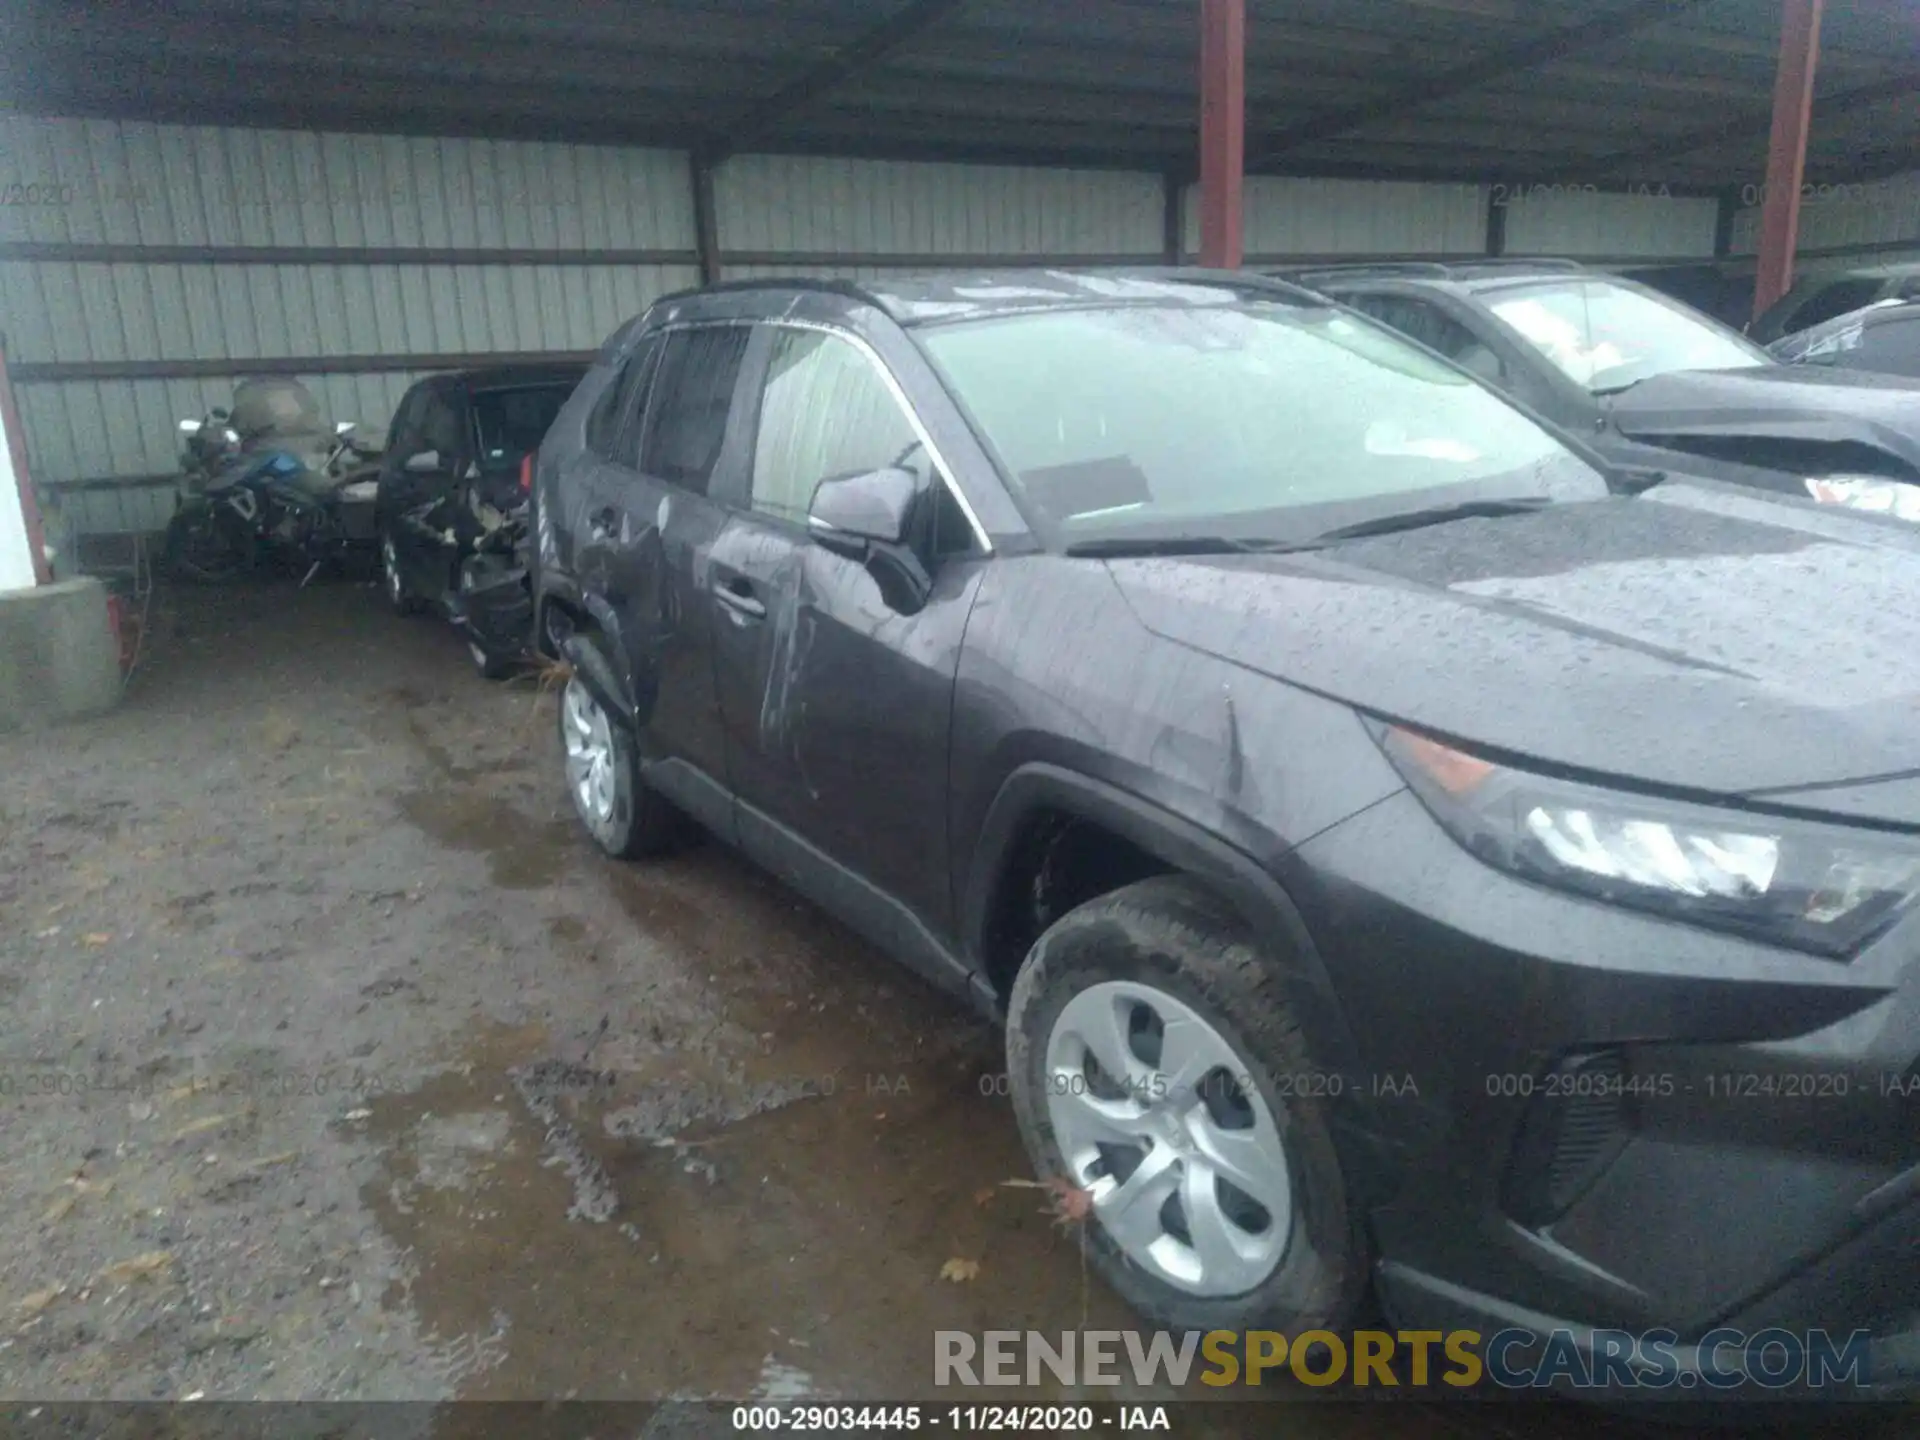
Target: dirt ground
[{"x": 335, "y": 1064}]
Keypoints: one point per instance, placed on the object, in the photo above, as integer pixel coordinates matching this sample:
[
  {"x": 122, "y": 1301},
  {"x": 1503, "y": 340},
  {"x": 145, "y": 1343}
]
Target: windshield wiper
[
  {"x": 1116, "y": 547},
  {"x": 1437, "y": 515}
]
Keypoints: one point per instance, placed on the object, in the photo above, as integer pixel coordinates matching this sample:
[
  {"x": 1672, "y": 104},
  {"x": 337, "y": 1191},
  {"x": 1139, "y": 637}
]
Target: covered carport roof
[{"x": 1620, "y": 93}]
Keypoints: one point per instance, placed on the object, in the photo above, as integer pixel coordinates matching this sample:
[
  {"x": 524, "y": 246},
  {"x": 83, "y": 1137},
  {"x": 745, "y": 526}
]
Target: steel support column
[
  {"x": 15, "y": 441},
  {"x": 1787, "y": 149},
  {"x": 1223, "y": 126},
  {"x": 1173, "y": 217},
  {"x": 706, "y": 228}
]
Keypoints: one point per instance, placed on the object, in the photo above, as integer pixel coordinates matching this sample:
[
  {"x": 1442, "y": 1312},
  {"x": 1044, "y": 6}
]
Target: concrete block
[{"x": 59, "y": 655}]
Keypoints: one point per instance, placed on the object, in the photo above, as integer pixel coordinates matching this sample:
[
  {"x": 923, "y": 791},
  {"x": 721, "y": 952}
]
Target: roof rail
[
  {"x": 820, "y": 284},
  {"x": 1429, "y": 269},
  {"x": 1518, "y": 262},
  {"x": 1261, "y": 282},
  {"x": 1423, "y": 269}
]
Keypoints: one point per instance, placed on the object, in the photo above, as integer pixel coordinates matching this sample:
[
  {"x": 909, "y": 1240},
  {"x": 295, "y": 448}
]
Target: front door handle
[
  {"x": 603, "y": 523},
  {"x": 736, "y": 593}
]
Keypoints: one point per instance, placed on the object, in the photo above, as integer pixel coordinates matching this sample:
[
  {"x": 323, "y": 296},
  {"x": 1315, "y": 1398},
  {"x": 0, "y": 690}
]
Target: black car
[
  {"x": 1822, "y": 294},
  {"x": 1710, "y": 289},
  {"x": 1399, "y": 855},
  {"x": 453, "y": 487},
  {"x": 1882, "y": 339},
  {"x": 1647, "y": 382}
]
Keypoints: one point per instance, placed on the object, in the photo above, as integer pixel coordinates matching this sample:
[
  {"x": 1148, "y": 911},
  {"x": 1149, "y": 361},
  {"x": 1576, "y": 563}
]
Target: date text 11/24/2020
[{"x": 958, "y": 1419}]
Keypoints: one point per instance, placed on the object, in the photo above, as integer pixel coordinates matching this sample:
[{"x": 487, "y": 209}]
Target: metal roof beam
[
  {"x": 869, "y": 48},
  {"x": 1527, "y": 55},
  {"x": 1752, "y": 124}
]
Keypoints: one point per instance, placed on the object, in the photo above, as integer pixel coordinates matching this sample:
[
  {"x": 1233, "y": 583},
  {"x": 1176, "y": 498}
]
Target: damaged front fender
[{"x": 593, "y": 671}]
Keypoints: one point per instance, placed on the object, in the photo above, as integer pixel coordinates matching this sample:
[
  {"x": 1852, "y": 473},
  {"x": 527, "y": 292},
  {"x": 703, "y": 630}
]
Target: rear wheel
[
  {"x": 1156, "y": 1066},
  {"x": 625, "y": 818}
]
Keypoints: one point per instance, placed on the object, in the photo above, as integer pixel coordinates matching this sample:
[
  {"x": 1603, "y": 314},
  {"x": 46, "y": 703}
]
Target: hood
[
  {"x": 1778, "y": 402},
  {"x": 1685, "y": 640}
]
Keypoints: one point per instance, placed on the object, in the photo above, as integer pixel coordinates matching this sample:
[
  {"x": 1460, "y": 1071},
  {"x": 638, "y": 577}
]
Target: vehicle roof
[
  {"x": 512, "y": 377},
  {"x": 1883, "y": 270},
  {"x": 924, "y": 299},
  {"x": 1866, "y": 317}
]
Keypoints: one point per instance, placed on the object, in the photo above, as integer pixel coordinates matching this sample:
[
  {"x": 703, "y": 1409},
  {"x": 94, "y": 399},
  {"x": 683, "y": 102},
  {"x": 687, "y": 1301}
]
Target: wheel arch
[{"x": 1180, "y": 847}]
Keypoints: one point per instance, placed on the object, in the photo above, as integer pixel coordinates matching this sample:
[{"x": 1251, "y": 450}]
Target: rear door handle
[
  {"x": 603, "y": 523},
  {"x": 736, "y": 593}
]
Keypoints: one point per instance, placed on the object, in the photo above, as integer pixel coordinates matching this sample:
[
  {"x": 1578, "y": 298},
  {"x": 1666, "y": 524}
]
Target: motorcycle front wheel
[{"x": 207, "y": 546}]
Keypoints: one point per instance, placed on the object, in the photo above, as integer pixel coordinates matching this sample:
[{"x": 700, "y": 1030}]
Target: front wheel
[
  {"x": 1157, "y": 1069},
  {"x": 486, "y": 664},
  {"x": 206, "y": 545},
  {"x": 393, "y": 581}
]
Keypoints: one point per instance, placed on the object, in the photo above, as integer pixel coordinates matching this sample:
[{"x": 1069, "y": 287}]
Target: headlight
[
  {"x": 1873, "y": 493},
  {"x": 1822, "y": 888}
]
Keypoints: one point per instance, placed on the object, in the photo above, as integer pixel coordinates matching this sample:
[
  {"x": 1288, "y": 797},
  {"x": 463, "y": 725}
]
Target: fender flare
[
  {"x": 1260, "y": 899},
  {"x": 554, "y": 588},
  {"x": 598, "y": 676}
]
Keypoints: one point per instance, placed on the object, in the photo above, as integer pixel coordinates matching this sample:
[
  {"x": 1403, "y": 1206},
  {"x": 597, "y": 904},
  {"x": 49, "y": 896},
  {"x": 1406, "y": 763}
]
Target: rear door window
[
  {"x": 613, "y": 426},
  {"x": 512, "y": 423},
  {"x": 441, "y": 428},
  {"x": 402, "y": 437},
  {"x": 687, "y": 406}
]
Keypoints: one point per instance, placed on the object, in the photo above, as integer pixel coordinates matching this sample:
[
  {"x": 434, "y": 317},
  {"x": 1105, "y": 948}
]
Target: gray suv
[{"x": 1403, "y": 852}]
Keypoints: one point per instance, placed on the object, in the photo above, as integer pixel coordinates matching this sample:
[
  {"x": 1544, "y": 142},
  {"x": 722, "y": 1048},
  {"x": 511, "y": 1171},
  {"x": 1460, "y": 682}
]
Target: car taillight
[{"x": 526, "y": 475}]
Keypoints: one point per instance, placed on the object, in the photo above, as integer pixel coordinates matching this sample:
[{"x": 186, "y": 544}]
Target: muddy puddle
[{"x": 775, "y": 1175}]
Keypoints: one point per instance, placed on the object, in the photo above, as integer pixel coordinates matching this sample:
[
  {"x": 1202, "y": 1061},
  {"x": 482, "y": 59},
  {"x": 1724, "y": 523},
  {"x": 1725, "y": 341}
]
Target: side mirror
[
  {"x": 345, "y": 427},
  {"x": 427, "y": 462},
  {"x": 190, "y": 427},
  {"x": 873, "y": 507}
]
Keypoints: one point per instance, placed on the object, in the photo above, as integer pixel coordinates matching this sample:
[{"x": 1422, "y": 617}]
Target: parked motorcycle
[{"x": 267, "y": 480}]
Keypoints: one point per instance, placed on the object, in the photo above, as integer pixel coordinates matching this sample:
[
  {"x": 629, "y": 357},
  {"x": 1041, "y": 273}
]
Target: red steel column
[
  {"x": 16, "y": 442},
  {"x": 1223, "y": 124},
  {"x": 1787, "y": 150}
]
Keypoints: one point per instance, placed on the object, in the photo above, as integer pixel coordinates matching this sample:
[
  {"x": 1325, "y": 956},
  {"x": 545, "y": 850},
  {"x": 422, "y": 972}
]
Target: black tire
[
  {"x": 203, "y": 547},
  {"x": 641, "y": 822},
  {"x": 486, "y": 664},
  {"x": 1170, "y": 934},
  {"x": 393, "y": 580}
]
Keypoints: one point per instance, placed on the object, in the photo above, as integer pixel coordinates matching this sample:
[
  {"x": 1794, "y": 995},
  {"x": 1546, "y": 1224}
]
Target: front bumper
[
  {"x": 1768, "y": 1352},
  {"x": 1598, "y": 1118}
]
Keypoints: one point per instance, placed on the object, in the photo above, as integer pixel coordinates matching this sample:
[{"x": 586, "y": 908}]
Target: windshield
[
  {"x": 1606, "y": 336},
  {"x": 514, "y": 422},
  {"x": 1256, "y": 420}
]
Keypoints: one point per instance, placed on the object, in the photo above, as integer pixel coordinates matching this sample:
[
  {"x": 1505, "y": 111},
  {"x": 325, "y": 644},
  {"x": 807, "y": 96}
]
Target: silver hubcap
[
  {"x": 590, "y": 774},
  {"x": 390, "y": 561},
  {"x": 1181, "y": 1154}
]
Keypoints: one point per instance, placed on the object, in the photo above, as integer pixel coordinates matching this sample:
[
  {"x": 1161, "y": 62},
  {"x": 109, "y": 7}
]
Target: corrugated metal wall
[
  {"x": 1586, "y": 224},
  {"x": 152, "y": 262},
  {"x": 779, "y": 210},
  {"x": 1299, "y": 219},
  {"x": 143, "y": 245},
  {"x": 1859, "y": 222}
]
